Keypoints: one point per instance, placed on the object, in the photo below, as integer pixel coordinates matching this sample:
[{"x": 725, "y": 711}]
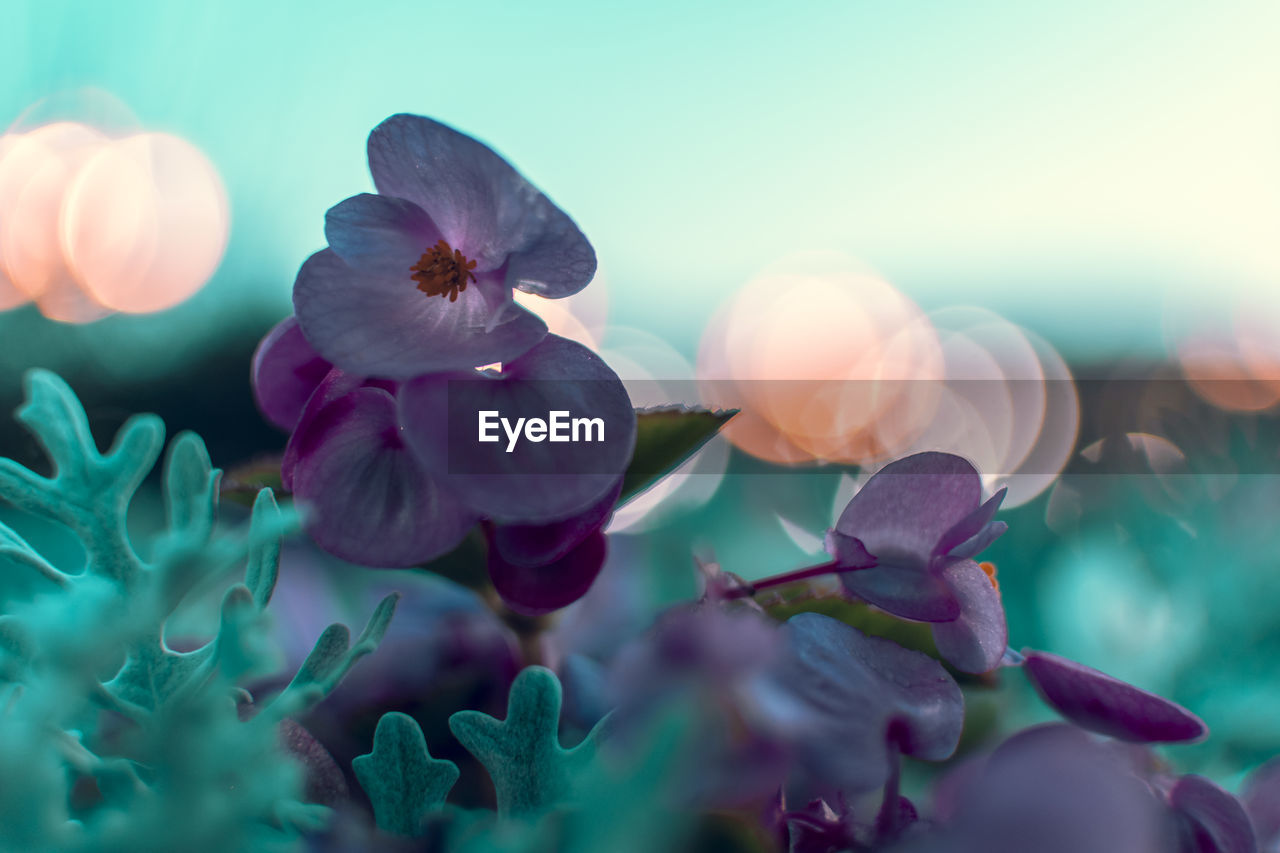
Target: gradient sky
[{"x": 1074, "y": 166}]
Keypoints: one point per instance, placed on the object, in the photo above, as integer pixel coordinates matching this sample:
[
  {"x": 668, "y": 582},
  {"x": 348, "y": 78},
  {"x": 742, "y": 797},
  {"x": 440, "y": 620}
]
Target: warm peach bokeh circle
[
  {"x": 91, "y": 224},
  {"x": 829, "y": 363}
]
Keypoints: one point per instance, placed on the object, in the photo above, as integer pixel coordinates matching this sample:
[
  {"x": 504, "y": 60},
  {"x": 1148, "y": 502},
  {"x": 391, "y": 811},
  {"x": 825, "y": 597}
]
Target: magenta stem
[{"x": 828, "y": 568}]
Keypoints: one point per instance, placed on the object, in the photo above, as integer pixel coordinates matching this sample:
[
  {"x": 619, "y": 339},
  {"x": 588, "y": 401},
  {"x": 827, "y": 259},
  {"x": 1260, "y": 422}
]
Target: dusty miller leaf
[{"x": 401, "y": 778}]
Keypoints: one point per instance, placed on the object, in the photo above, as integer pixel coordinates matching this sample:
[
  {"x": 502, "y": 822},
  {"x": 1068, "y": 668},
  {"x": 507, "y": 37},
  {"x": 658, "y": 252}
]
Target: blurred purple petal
[
  {"x": 907, "y": 506},
  {"x": 324, "y": 782},
  {"x": 976, "y": 640},
  {"x": 713, "y": 662},
  {"x": 365, "y": 498},
  {"x": 379, "y": 234},
  {"x": 538, "y": 544},
  {"x": 533, "y": 590},
  {"x": 285, "y": 371},
  {"x": 1100, "y": 703},
  {"x": 1213, "y": 820},
  {"x": 380, "y": 324},
  {"x": 706, "y": 646},
  {"x": 1050, "y": 789},
  {"x": 851, "y": 693},
  {"x": 537, "y": 482},
  {"x": 1261, "y": 798}
]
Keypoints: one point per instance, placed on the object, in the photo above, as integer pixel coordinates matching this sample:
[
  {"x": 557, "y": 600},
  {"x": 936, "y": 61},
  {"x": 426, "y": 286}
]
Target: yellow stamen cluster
[{"x": 443, "y": 271}]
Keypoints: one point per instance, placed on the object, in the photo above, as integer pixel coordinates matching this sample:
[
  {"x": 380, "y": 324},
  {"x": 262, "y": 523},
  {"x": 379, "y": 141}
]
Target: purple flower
[
  {"x": 391, "y": 473},
  {"x": 906, "y": 540},
  {"x": 418, "y": 278},
  {"x": 1109, "y": 706}
]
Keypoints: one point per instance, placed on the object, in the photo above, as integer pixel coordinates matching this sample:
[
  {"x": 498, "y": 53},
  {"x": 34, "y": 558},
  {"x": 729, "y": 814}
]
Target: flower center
[{"x": 443, "y": 271}]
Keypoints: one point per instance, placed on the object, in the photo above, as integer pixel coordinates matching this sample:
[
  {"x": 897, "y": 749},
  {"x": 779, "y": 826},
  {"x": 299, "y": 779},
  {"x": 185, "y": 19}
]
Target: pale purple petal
[
  {"x": 557, "y": 262},
  {"x": 537, "y": 482},
  {"x": 908, "y": 592},
  {"x": 538, "y": 544},
  {"x": 976, "y": 640},
  {"x": 459, "y": 181},
  {"x": 857, "y": 692},
  {"x": 975, "y": 524},
  {"x": 1214, "y": 821},
  {"x": 380, "y": 234},
  {"x": 1109, "y": 706},
  {"x": 375, "y": 324},
  {"x": 533, "y": 590},
  {"x": 903, "y": 511},
  {"x": 364, "y": 498},
  {"x": 284, "y": 372},
  {"x": 978, "y": 543}
]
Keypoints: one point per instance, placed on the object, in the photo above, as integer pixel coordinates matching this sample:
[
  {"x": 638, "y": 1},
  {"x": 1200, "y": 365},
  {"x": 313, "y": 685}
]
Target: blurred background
[{"x": 1046, "y": 236}]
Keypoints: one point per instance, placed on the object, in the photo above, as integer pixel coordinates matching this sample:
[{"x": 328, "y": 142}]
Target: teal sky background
[{"x": 1074, "y": 166}]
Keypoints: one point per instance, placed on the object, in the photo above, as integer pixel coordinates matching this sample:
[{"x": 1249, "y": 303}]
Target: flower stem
[{"x": 828, "y": 568}]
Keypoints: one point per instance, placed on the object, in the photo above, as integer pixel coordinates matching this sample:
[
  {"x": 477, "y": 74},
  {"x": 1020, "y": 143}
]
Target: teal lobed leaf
[
  {"x": 263, "y": 566},
  {"x": 401, "y": 778},
  {"x": 331, "y": 658},
  {"x": 666, "y": 437},
  {"x": 531, "y": 772},
  {"x": 96, "y": 641}
]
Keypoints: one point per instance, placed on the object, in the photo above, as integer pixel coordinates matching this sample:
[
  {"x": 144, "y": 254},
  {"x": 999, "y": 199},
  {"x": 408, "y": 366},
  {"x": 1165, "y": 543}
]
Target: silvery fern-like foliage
[{"x": 109, "y": 739}]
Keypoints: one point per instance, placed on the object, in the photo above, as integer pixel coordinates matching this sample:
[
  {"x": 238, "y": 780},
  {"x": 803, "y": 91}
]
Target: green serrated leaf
[
  {"x": 664, "y": 438},
  {"x": 531, "y": 771},
  {"x": 401, "y": 778}
]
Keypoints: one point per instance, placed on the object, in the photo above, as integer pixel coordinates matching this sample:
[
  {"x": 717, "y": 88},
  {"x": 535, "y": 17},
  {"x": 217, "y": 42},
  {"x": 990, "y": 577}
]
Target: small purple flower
[
  {"x": 372, "y": 462},
  {"x": 418, "y": 278},
  {"x": 1094, "y": 700},
  {"x": 905, "y": 542}
]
